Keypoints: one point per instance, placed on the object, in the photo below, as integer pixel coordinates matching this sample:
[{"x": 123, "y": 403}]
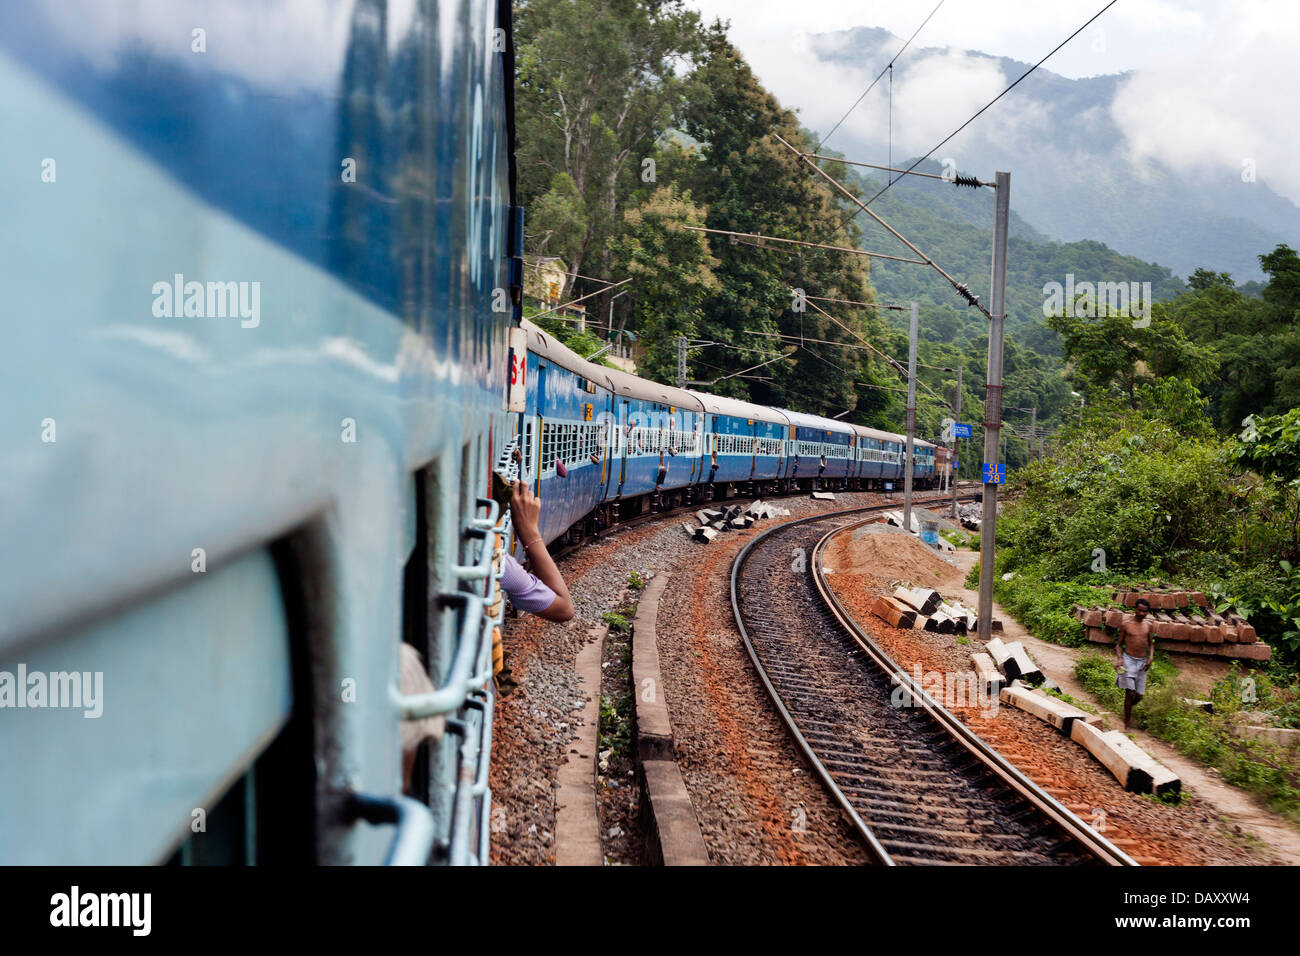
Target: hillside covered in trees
[{"x": 639, "y": 125}]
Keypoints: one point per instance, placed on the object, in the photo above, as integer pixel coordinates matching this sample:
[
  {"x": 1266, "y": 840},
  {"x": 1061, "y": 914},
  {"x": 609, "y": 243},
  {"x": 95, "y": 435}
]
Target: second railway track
[{"x": 917, "y": 785}]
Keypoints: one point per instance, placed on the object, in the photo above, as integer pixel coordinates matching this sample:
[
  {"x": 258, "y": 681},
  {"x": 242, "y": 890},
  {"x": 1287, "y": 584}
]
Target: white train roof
[
  {"x": 630, "y": 386},
  {"x": 616, "y": 380},
  {"x": 875, "y": 433},
  {"x": 549, "y": 348},
  {"x": 721, "y": 405},
  {"x": 816, "y": 421}
]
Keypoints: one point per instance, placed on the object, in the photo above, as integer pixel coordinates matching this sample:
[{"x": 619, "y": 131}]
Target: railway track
[
  {"x": 917, "y": 785},
  {"x": 561, "y": 549}
]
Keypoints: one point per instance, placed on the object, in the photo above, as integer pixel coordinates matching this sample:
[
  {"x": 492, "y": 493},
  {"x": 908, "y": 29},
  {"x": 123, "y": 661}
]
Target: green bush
[
  {"x": 617, "y": 622},
  {"x": 1137, "y": 490}
]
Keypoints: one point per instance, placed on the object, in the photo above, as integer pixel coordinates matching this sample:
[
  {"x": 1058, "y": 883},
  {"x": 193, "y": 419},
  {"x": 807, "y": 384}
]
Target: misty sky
[{"x": 1213, "y": 83}]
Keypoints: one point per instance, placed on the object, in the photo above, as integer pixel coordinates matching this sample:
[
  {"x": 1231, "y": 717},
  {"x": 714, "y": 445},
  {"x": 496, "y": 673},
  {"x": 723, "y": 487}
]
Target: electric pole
[
  {"x": 681, "y": 361},
  {"x": 952, "y": 481},
  {"x": 993, "y": 404},
  {"x": 1033, "y": 431},
  {"x": 911, "y": 419}
]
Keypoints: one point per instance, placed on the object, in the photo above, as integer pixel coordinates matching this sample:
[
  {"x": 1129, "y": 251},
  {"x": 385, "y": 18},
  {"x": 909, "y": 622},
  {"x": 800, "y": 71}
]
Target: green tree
[
  {"x": 1111, "y": 352},
  {"x": 598, "y": 83},
  {"x": 558, "y": 221},
  {"x": 671, "y": 271}
]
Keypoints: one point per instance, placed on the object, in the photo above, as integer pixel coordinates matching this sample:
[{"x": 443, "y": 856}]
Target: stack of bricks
[{"x": 1182, "y": 621}]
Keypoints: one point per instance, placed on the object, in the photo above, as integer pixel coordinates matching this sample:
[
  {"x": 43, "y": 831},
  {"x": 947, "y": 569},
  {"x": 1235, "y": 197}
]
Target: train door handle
[
  {"x": 480, "y": 528},
  {"x": 413, "y": 841},
  {"x": 459, "y": 683}
]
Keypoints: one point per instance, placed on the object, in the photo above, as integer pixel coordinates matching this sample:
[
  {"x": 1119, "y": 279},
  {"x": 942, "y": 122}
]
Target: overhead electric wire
[
  {"x": 888, "y": 66},
  {"x": 978, "y": 112},
  {"x": 565, "y": 305},
  {"x": 959, "y": 181},
  {"x": 802, "y": 242}
]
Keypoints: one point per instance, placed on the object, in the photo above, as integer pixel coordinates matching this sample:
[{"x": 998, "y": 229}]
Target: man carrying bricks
[{"x": 1133, "y": 654}]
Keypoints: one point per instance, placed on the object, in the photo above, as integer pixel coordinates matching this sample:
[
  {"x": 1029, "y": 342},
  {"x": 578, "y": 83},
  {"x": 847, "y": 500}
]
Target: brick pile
[{"x": 1182, "y": 621}]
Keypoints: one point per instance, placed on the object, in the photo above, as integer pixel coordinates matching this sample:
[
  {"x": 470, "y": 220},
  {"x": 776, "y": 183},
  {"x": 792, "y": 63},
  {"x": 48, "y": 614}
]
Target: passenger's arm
[{"x": 525, "y": 511}]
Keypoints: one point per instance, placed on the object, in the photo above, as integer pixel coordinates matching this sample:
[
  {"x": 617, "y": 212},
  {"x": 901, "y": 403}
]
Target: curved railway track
[
  {"x": 916, "y": 783},
  {"x": 560, "y": 548}
]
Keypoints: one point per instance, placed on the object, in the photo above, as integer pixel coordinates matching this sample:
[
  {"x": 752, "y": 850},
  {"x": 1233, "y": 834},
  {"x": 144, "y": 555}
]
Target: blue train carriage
[
  {"x": 923, "y": 474},
  {"x": 569, "y": 440},
  {"x": 875, "y": 456},
  {"x": 895, "y": 453},
  {"x": 245, "y": 445},
  {"x": 820, "y": 451},
  {"x": 659, "y": 455},
  {"x": 744, "y": 446}
]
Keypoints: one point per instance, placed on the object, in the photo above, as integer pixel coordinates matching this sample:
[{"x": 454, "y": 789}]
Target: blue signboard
[
  {"x": 995, "y": 474},
  {"x": 960, "y": 431},
  {"x": 955, "y": 464}
]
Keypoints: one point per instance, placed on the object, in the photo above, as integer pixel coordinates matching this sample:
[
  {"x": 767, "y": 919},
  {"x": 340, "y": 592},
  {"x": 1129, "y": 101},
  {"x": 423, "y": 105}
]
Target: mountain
[
  {"x": 954, "y": 227},
  {"x": 1071, "y": 175}
]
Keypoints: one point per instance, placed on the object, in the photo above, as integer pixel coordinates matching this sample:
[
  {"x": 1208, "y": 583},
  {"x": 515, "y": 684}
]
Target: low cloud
[{"x": 1215, "y": 103}]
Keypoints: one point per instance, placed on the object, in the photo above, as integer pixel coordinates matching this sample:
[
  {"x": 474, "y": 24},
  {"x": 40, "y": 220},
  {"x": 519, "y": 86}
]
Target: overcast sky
[{"x": 1214, "y": 83}]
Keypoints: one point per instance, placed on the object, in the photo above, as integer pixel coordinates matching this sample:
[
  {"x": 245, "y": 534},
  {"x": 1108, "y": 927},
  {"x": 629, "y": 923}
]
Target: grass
[
  {"x": 616, "y": 727},
  {"x": 961, "y": 539},
  {"x": 617, "y": 622}
]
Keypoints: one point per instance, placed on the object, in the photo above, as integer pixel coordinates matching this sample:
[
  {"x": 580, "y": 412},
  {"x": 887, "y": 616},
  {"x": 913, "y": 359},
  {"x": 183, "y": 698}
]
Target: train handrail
[
  {"x": 481, "y": 528},
  {"x": 452, "y": 693},
  {"x": 415, "y": 835}
]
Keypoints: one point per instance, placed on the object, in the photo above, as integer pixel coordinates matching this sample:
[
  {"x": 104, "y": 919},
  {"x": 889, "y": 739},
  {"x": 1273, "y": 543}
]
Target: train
[
  {"x": 601, "y": 445},
  {"x": 263, "y": 270},
  {"x": 253, "y": 376}
]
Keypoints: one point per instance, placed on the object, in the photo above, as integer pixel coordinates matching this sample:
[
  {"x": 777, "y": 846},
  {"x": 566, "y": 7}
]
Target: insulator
[
  {"x": 966, "y": 294},
  {"x": 970, "y": 181}
]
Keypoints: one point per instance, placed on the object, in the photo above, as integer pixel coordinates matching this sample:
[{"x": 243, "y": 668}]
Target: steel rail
[
  {"x": 987, "y": 755},
  {"x": 873, "y": 845},
  {"x": 627, "y": 524},
  {"x": 1082, "y": 834}
]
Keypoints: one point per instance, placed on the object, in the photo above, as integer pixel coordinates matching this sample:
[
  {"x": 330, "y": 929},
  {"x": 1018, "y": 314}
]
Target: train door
[
  {"x": 609, "y": 446},
  {"x": 538, "y": 464},
  {"x": 623, "y": 442},
  {"x": 753, "y": 438}
]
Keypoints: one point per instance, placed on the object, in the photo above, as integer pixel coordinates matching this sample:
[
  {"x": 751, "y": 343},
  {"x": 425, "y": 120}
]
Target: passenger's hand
[{"x": 524, "y": 511}]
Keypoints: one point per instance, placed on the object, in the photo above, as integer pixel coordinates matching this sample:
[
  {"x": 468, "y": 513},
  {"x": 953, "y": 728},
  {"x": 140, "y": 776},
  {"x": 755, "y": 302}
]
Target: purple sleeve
[{"x": 525, "y": 591}]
